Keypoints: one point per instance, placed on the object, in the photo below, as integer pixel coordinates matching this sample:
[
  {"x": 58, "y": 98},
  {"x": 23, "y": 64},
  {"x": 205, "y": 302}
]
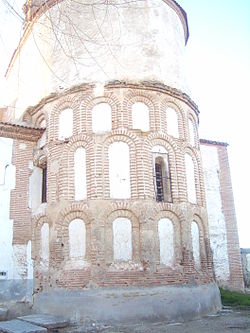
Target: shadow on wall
[{"x": 245, "y": 258}]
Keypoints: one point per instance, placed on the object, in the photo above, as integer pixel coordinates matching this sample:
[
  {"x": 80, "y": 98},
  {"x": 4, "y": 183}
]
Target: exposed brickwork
[
  {"x": 236, "y": 274},
  {"x": 19, "y": 208},
  {"x": 98, "y": 212}
]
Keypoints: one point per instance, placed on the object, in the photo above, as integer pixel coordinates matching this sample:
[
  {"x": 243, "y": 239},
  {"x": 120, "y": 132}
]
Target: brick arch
[
  {"x": 176, "y": 221},
  {"x": 195, "y": 129},
  {"x": 174, "y": 104},
  {"x": 204, "y": 251},
  {"x": 66, "y": 179},
  {"x": 65, "y": 102},
  {"x": 170, "y": 145},
  {"x": 166, "y": 138},
  {"x": 87, "y": 105},
  {"x": 40, "y": 157},
  {"x": 39, "y": 117},
  {"x": 198, "y": 173},
  {"x": 72, "y": 212},
  {"x": 139, "y": 96},
  {"x": 37, "y": 223},
  {"x": 130, "y": 215},
  {"x": 134, "y": 146}
]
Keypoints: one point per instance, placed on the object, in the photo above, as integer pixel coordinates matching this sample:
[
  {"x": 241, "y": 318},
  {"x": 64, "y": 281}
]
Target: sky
[{"x": 218, "y": 71}]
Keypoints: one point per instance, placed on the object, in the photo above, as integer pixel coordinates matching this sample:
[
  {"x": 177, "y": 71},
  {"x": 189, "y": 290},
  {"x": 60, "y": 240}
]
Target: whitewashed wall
[
  {"x": 119, "y": 170},
  {"x": 101, "y": 118},
  {"x": 191, "y": 190},
  {"x": 172, "y": 122},
  {"x": 191, "y": 132},
  {"x": 216, "y": 219},
  {"x": 80, "y": 174},
  {"x": 140, "y": 116},
  {"x": 7, "y": 182},
  {"x": 122, "y": 239},
  {"x": 15, "y": 260},
  {"x": 196, "y": 244},
  {"x": 65, "y": 124},
  {"x": 248, "y": 262},
  {"x": 166, "y": 238},
  {"x": 144, "y": 42},
  {"x": 44, "y": 246},
  {"x": 35, "y": 188},
  {"x": 77, "y": 239}
]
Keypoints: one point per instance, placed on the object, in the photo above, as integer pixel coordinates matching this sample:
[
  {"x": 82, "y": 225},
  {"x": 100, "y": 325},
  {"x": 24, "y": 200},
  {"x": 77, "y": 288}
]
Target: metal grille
[{"x": 44, "y": 185}]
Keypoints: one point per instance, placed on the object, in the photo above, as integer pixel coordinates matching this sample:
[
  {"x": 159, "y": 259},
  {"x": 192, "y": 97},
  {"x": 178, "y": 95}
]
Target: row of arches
[
  {"x": 122, "y": 240},
  {"x": 119, "y": 173},
  {"x": 102, "y": 121}
]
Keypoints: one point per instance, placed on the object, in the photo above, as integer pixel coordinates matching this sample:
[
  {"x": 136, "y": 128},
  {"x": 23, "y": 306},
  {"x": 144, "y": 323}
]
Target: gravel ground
[{"x": 227, "y": 321}]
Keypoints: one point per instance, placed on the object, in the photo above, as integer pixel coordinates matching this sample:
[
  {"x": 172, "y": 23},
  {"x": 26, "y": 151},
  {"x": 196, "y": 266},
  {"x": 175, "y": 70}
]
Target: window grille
[
  {"x": 162, "y": 178},
  {"x": 44, "y": 185}
]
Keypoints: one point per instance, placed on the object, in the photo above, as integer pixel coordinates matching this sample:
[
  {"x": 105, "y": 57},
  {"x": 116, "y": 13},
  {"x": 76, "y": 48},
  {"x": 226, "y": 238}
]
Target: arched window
[
  {"x": 44, "y": 245},
  {"x": 196, "y": 244},
  {"x": 191, "y": 132},
  {"x": 119, "y": 170},
  {"x": 140, "y": 116},
  {"x": 191, "y": 191},
  {"x": 77, "y": 239},
  {"x": 101, "y": 118},
  {"x": 80, "y": 174},
  {"x": 162, "y": 176},
  {"x": 44, "y": 184},
  {"x": 122, "y": 239},
  {"x": 38, "y": 187},
  {"x": 65, "y": 124},
  {"x": 166, "y": 238},
  {"x": 172, "y": 122}
]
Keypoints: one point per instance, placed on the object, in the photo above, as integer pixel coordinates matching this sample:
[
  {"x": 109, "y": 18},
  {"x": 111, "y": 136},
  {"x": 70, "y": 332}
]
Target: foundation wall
[{"x": 168, "y": 303}]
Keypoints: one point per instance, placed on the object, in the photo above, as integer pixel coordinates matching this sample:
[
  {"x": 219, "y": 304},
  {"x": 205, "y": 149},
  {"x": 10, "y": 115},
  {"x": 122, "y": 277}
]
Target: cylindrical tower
[
  {"x": 119, "y": 200},
  {"x": 67, "y": 43}
]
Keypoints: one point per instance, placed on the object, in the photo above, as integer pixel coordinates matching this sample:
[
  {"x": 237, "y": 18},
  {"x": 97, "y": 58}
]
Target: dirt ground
[{"x": 227, "y": 321}]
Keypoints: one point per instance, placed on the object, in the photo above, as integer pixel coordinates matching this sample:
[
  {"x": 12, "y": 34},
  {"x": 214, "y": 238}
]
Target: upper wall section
[{"x": 66, "y": 43}]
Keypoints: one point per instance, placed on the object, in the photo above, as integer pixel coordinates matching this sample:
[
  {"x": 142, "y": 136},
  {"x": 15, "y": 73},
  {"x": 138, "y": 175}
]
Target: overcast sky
[{"x": 218, "y": 68}]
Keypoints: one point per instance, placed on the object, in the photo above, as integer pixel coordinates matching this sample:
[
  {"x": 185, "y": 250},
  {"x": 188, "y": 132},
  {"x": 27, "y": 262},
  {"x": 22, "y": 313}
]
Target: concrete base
[
  {"x": 3, "y": 313},
  {"x": 18, "y": 326},
  {"x": 47, "y": 321},
  {"x": 166, "y": 303},
  {"x": 16, "y": 290}
]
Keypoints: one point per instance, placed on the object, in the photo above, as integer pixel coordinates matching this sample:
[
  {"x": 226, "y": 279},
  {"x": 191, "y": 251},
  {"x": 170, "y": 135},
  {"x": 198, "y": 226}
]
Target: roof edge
[{"x": 214, "y": 143}]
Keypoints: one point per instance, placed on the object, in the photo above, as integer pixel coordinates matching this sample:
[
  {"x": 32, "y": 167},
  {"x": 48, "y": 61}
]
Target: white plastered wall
[
  {"x": 140, "y": 116},
  {"x": 172, "y": 122},
  {"x": 122, "y": 239},
  {"x": 248, "y": 262},
  {"x": 196, "y": 244},
  {"x": 191, "y": 190},
  {"x": 166, "y": 238},
  {"x": 119, "y": 170},
  {"x": 216, "y": 219},
  {"x": 15, "y": 260},
  {"x": 80, "y": 174},
  {"x": 144, "y": 42},
  {"x": 44, "y": 246},
  {"x": 35, "y": 189},
  {"x": 101, "y": 118}
]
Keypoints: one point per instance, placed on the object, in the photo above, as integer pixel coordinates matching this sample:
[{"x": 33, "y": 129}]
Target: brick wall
[{"x": 99, "y": 211}]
